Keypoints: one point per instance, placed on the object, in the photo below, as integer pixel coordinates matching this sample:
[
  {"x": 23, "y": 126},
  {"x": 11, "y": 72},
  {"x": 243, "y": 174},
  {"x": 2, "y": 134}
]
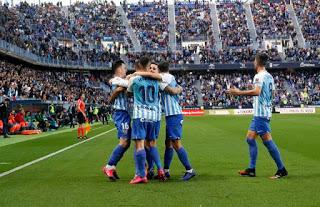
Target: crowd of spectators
[
  {"x": 302, "y": 54},
  {"x": 306, "y": 86},
  {"x": 193, "y": 21},
  {"x": 308, "y": 13},
  {"x": 292, "y": 89},
  {"x": 20, "y": 82},
  {"x": 150, "y": 21},
  {"x": 234, "y": 55},
  {"x": 234, "y": 31},
  {"x": 64, "y": 33},
  {"x": 79, "y": 32},
  {"x": 272, "y": 20}
]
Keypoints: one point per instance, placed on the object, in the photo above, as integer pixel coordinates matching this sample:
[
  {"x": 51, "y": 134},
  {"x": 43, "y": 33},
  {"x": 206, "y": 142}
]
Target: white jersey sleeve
[
  {"x": 119, "y": 82},
  {"x": 258, "y": 80},
  {"x": 166, "y": 80}
]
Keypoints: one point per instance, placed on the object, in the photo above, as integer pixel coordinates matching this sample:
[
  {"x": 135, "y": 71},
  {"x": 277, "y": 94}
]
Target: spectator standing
[{"x": 4, "y": 116}]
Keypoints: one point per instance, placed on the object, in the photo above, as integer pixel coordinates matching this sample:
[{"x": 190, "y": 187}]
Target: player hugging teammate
[{"x": 146, "y": 85}]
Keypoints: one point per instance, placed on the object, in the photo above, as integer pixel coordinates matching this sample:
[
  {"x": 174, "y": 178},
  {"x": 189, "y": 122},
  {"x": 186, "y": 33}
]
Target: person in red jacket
[
  {"x": 19, "y": 118},
  {"x": 81, "y": 107}
]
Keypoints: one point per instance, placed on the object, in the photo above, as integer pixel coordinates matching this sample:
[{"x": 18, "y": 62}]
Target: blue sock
[
  {"x": 183, "y": 157},
  {"x": 141, "y": 160},
  {"x": 149, "y": 159},
  {"x": 274, "y": 152},
  {"x": 253, "y": 152},
  {"x": 116, "y": 155},
  {"x": 155, "y": 156},
  {"x": 168, "y": 156},
  {"x": 135, "y": 161}
]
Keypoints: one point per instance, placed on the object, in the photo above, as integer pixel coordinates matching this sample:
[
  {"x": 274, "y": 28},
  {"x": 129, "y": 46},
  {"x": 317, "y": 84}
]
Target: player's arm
[
  {"x": 173, "y": 90},
  {"x": 253, "y": 92},
  {"x": 155, "y": 76},
  {"x": 116, "y": 93},
  {"x": 119, "y": 82}
]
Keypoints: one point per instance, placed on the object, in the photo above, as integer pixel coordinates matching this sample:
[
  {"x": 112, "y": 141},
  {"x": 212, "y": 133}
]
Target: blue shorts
[
  {"x": 261, "y": 125},
  {"x": 122, "y": 121},
  {"x": 174, "y": 126},
  {"x": 146, "y": 130}
]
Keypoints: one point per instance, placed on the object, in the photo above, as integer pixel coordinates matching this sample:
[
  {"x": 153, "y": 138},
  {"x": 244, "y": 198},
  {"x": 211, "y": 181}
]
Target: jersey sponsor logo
[
  {"x": 146, "y": 120},
  {"x": 146, "y": 107}
]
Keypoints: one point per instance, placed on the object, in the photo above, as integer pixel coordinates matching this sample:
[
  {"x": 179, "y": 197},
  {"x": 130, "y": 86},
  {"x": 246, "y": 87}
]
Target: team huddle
[
  {"x": 146, "y": 86},
  {"x": 154, "y": 90}
]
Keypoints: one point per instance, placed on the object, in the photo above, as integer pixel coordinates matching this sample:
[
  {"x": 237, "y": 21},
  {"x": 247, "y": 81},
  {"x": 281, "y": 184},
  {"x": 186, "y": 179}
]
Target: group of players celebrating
[
  {"x": 154, "y": 89},
  {"x": 150, "y": 82}
]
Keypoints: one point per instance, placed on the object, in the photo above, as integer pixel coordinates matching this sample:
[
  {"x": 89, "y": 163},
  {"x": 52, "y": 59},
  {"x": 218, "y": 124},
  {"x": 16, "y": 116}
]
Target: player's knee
[
  {"x": 153, "y": 143},
  {"x": 125, "y": 143},
  {"x": 266, "y": 137},
  {"x": 176, "y": 144},
  {"x": 139, "y": 144},
  {"x": 168, "y": 143},
  {"x": 251, "y": 135}
]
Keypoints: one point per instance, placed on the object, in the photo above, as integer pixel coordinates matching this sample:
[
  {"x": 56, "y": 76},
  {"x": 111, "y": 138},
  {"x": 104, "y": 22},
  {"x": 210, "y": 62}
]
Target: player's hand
[
  {"x": 233, "y": 91},
  {"x": 129, "y": 76},
  {"x": 180, "y": 89}
]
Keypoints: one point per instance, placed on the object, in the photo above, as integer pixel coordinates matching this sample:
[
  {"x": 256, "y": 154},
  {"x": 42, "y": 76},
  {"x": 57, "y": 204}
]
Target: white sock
[
  {"x": 190, "y": 171},
  {"x": 109, "y": 167}
]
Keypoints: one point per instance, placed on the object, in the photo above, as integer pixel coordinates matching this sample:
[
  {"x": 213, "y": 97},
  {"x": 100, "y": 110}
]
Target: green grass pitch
[{"x": 217, "y": 150}]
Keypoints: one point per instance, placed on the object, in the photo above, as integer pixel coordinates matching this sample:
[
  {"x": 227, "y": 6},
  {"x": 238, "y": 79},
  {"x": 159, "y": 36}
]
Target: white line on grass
[{"x": 52, "y": 154}]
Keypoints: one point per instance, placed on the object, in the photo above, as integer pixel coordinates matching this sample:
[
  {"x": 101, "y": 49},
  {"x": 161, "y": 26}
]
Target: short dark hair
[
  {"x": 154, "y": 63},
  {"x": 144, "y": 61},
  {"x": 262, "y": 59},
  {"x": 164, "y": 67},
  {"x": 116, "y": 65}
]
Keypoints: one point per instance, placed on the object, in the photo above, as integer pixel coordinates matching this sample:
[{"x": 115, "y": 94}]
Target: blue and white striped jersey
[
  {"x": 146, "y": 103},
  {"x": 121, "y": 102},
  {"x": 170, "y": 102},
  {"x": 262, "y": 104}
]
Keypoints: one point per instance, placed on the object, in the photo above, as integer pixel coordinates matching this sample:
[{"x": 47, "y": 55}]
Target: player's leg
[
  {"x": 81, "y": 129},
  {"x": 168, "y": 156},
  {"x": 140, "y": 159},
  {"x": 153, "y": 129},
  {"x": 253, "y": 153},
  {"x": 116, "y": 155},
  {"x": 122, "y": 123},
  {"x": 139, "y": 135},
  {"x": 150, "y": 162},
  {"x": 183, "y": 157},
  {"x": 275, "y": 154},
  {"x": 174, "y": 133},
  {"x": 154, "y": 153}
]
